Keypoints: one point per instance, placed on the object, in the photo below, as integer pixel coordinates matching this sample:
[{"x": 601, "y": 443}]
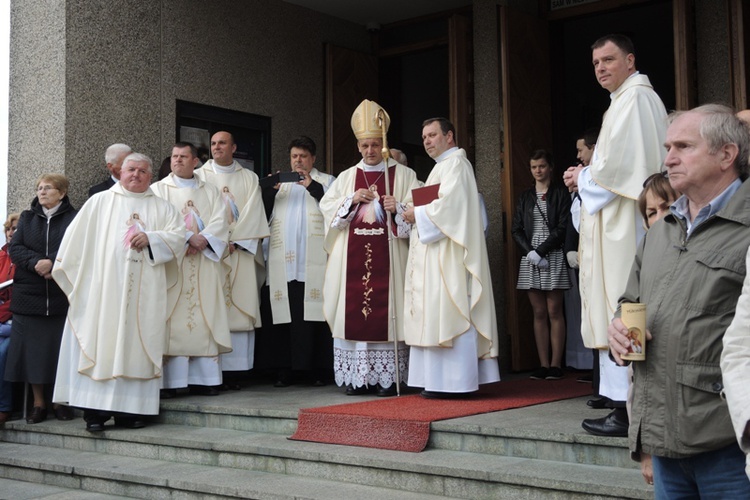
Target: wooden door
[
  {"x": 527, "y": 125},
  {"x": 739, "y": 20},
  {"x": 351, "y": 76},
  {"x": 461, "y": 81}
]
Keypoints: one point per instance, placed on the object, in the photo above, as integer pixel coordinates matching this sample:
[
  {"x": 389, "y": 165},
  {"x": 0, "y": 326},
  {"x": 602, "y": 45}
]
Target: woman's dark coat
[
  {"x": 558, "y": 213},
  {"x": 33, "y": 241}
]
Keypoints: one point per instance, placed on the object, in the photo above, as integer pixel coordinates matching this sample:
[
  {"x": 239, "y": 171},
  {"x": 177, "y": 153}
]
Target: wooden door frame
[
  {"x": 520, "y": 137},
  {"x": 738, "y": 46},
  {"x": 460, "y": 81},
  {"x": 683, "y": 25}
]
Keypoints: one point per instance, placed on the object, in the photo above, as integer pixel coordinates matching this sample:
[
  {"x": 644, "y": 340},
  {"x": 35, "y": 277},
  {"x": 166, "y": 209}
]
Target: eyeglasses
[{"x": 45, "y": 188}]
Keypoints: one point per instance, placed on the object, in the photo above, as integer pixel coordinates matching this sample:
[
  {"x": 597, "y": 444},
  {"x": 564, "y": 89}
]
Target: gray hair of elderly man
[
  {"x": 720, "y": 126},
  {"x": 138, "y": 157},
  {"x": 399, "y": 156},
  {"x": 116, "y": 151}
]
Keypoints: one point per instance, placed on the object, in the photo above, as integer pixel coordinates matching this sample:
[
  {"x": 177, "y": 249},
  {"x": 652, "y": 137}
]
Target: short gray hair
[
  {"x": 720, "y": 126},
  {"x": 116, "y": 151},
  {"x": 138, "y": 157}
]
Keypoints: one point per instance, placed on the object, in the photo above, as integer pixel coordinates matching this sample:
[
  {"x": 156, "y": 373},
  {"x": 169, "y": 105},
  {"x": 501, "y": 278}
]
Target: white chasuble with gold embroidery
[
  {"x": 628, "y": 150},
  {"x": 448, "y": 286},
  {"x": 245, "y": 269},
  {"x": 198, "y": 324},
  {"x": 114, "y": 336}
]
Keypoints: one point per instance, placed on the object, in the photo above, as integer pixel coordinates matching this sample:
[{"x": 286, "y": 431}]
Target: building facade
[{"x": 513, "y": 75}]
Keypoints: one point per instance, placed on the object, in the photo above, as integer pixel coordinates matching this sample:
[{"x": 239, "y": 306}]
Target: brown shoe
[
  {"x": 4, "y": 416},
  {"x": 38, "y": 414}
]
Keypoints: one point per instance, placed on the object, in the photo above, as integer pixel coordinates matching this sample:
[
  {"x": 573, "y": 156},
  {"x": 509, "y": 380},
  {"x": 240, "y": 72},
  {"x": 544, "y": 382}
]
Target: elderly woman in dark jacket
[
  {"x": 39, "y": 307},
  {"x": 539, "y": 225}
]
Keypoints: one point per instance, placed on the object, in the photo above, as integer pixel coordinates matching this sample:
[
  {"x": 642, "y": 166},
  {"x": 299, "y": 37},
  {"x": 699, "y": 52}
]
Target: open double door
[
  {"x": 539, "y": 109},
  {"x": 549, "y": 97}
]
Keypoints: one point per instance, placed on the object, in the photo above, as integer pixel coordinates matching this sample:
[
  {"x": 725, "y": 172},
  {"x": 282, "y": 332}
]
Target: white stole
[{"x": 315, "y": 255}]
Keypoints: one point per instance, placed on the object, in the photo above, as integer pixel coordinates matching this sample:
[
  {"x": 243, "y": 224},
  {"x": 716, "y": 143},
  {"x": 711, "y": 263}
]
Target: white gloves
[
  {"x": 534, "y": 257},
  {"x": 537, "y": 260},
  {"x": 572, "y": 259}
]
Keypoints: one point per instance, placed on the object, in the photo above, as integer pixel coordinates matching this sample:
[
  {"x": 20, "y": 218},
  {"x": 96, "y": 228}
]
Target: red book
[{"x": 424, "y": 195}]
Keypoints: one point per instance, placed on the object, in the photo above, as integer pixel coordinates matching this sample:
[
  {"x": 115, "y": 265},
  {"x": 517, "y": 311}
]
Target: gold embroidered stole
[
  {"x": 368, "y": 265},
  {"x": 315, "y": 257}
]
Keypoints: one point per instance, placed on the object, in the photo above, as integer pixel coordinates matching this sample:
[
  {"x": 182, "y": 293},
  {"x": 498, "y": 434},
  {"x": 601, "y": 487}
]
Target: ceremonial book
[{"x": 424, "y": 195}]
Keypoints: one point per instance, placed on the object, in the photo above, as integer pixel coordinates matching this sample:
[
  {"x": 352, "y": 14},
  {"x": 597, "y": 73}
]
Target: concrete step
[
  {"x": 24, "y": 490},
  {"x": 550, "y": 431},
  {"x": 147, "y": 478},
  {"x": 441, "y": 472}
]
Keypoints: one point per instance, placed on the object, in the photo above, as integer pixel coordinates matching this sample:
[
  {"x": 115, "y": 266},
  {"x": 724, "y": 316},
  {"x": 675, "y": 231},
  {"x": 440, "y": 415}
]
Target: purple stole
[{"x": 368, "y": 265}]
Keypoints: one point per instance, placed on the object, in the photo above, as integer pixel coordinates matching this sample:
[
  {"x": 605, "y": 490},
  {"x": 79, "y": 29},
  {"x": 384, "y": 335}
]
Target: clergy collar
[
  {"x": 446, "y": 154},
  {"x": 221, "y": 169},
  {"x": 134, "y": 194},
  {"x": 373, "y": 168},
  {"x": 612, "y": 95},
  {"x": 183, "y": 183}
]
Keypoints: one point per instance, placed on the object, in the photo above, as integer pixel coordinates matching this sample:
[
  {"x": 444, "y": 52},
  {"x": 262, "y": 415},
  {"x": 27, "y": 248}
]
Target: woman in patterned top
[{"x": 539, "y": 225}]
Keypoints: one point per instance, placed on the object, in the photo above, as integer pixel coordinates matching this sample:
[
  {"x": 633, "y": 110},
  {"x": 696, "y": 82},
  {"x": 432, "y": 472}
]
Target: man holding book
[{"x": 449, "y": 309}]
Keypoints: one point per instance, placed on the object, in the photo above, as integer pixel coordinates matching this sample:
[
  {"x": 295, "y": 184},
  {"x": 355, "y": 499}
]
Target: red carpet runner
[{"x": 403, "y": 423}]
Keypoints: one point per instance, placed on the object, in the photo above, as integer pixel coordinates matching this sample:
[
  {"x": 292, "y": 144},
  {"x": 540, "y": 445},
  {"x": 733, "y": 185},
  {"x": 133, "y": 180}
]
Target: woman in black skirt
[
  {"x": 39, "y": 307},
  {"x": 539, "y": 226}
]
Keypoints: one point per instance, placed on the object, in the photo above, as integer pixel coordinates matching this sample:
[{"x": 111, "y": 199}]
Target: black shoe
[
  {"x": 585, "y": 379},
  {"x": 319, "y": 383},
  {"x": 598, "y": 404},
  {"x": 130, "y": 422},
  {"x": 204, "y": 390},
  {"x": 539, "y": 373},
  {"x": 38, "y": 414},
  {"x": 63, "y": 412},
  {"x": 554, "y": 373},
  {"x": 445, "y": 395},
  {"x": 283, "y": 379},
  {"x": 359, "y": 391},
  {"x": 167, "y": 393},
  {"x": 613, "y": 425},
  {"x": 385, "y": 392},
  {"x": 95, "y": 426}
]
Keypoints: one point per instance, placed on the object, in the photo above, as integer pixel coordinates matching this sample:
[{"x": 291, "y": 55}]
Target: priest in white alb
[
  {"x": 449, "y": 309},
  {"x": 116, "y": 262},
  {"x": 243, "y": 206},
  {"x": 359, "y": 299},
  {"x": 198, "y": 326}
]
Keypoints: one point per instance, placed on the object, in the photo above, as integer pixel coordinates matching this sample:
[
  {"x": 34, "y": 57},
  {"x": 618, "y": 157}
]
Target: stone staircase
[{"x": 235, "y": 446}]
